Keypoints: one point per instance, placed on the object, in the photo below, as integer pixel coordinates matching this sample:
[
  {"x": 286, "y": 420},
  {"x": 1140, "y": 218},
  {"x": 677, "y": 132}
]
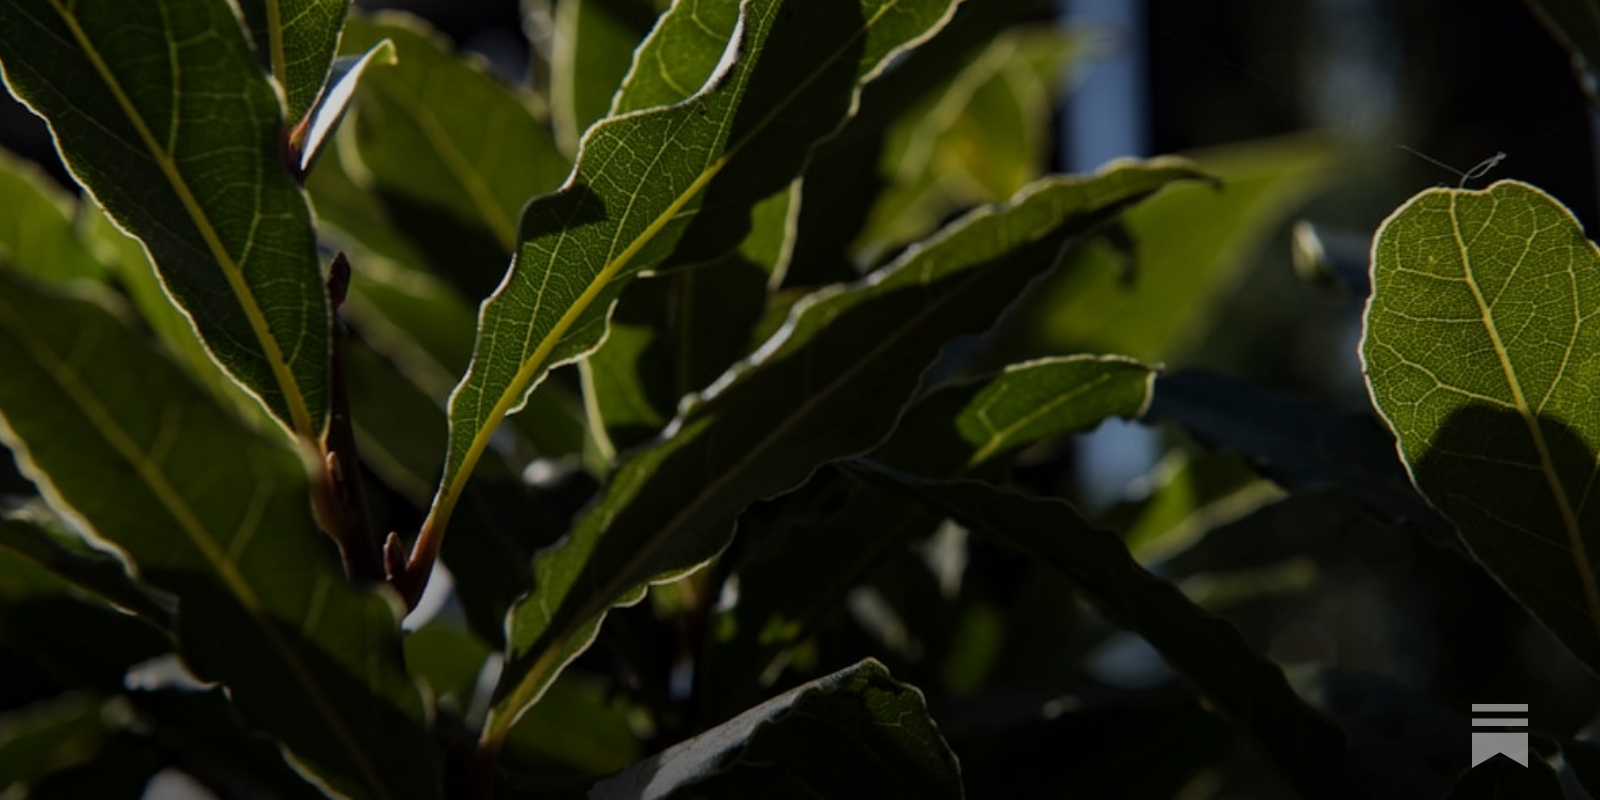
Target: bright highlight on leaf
[{"x": 1482, "y": 352}]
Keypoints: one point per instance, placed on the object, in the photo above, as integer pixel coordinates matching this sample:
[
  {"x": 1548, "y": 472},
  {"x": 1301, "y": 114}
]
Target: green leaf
[
  {"x": 829, "y": 386},
  {"x": 855, "y": 733},
  {"x": 1576, "y": 24},
  {"x": 1192, "y": 496},
  {"x": 36, "y": 231},
  {"x": 95, "y": 572},
  {"x": 451, "y": 152},
  {"x": 959, "y": 428},
  {"x": 295, "y": 41},
  {"x": 639, "y": 183},
  {"x": 581, "y": 725},
  {"x": 215, "y": 745},
  {"x": 186, "y": 152},
  {"x": 1482, "y": 356},
  {"x": 843, "y": 179},
  {"x": 48, "y": 736},
  {"x": 217, "y": 516},
  {"x": 591, "y": 53},
  {"x": 1296, "y": 444},
  {"x": 1189, "y": 247},
  {"x": 1211, "y": 656}
]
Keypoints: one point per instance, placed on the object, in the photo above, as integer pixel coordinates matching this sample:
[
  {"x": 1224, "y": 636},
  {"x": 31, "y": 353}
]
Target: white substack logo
[{"x": 1494, "y": 735}]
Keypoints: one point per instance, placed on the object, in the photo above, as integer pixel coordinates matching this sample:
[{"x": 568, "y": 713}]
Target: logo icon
[{"x": 1500, "y": 735}]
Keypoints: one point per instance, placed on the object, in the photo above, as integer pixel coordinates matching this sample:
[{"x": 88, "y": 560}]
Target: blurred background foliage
[{"x": 1305, "y": 109}]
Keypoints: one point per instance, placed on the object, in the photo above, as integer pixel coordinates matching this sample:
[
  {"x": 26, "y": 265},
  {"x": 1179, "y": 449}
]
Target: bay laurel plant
[{"x": 339, "y": 330}]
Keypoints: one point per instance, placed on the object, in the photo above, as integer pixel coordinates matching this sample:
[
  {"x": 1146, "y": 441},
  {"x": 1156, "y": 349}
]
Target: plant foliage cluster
[{"x": 687, "y": 382}]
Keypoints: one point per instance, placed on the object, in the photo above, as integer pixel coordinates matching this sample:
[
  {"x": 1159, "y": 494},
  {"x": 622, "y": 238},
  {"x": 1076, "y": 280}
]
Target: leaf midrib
[
  {"x": 172, "y": 500},
  {"x": 1575, "y": 545},
  {"x": 454, "y": 480},
  {"x": 663, "y": 533},
  {"x": 232, "y": 270}
]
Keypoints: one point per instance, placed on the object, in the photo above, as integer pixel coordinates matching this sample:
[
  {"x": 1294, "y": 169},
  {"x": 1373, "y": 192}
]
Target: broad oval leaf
[
  {"x": 828, "y": 386},
  {"x": 217, "y": 515},
  {"x": 857, "y": 733},
  {"x": 186, "y": 153},
  {"x": 1482, "y": 353},
  {"x": 639, "y": 183}
]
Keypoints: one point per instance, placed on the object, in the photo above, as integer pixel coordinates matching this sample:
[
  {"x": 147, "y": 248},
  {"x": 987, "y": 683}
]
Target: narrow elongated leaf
[
  {"x": 855, "y": 733},
  {"x": 36, "y": 231},
  {"x": 1246, "y": 688},
  {"x": 642, "y": 178},
  {"x": 186, "y": 153},
  {"x": 451, "y": 151},
  {"x": 218, "y": 516},
  {"x": 957, "y": 430},
  {"x": 1483, "y": 356},
  {"x": 295, "y": 41},
  {"x": 829, "y": 386},
  {"x": 95, "y": 572}
]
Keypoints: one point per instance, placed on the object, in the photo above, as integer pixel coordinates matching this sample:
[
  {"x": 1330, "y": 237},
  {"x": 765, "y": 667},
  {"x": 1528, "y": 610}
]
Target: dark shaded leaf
[
  {"x": 828, "y": 386},
  {"x": 1241, "y": 684},
  {"x": 218, "y": 516},
  {"x": 855, "y": 733},
  {"x": 295, "y": 41}
]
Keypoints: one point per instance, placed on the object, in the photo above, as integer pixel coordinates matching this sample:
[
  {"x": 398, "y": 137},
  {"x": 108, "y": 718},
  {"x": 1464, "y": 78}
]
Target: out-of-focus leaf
[
  {"x": 591, "y": 53},
  {"x": 36, "y": 231},
  {"x": 855, "y": 733},
  {"x": 984, "y": 136},
  {"x": 295, "y": 41},
  {"x": 50, "y": 735},
  {"x": 1482, "y": 356},
  {"x": 641, "y": 185},
  {"x": 1241, "y": 684},
  {"x": 581, "y": 725},
  {"x": 67, "y": 634},
  {"x": 1220, "y": 591},
  {"x": 451, "y": 152},
  {"x": 1583, "y": 758},
  {"x": 829, "y": 386},
  {"x": 1189, "y": 246},
  {"x": 218, "y": 516},
  {"x": 449, "y": 659},
  {"x": 94, "y": 572},
  {"x": 186, "y": 153},
  {"x": 1297, "y": 445},
  {"x": 1576, "y": 24},
  {"x": 844, "y": 178},
  {"x": 1191, "y": 495},
  {"x": 220, "y": 750}
]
